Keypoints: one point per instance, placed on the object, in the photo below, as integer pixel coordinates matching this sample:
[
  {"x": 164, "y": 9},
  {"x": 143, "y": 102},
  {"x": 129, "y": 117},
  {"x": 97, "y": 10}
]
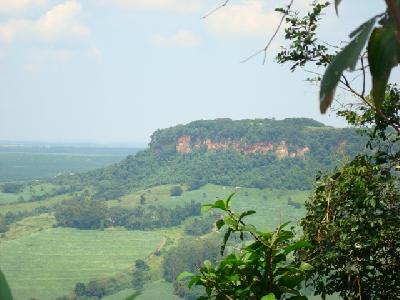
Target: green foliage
[
  {"x": 188, "y": 255},
  {"x": 199, "y": 226},
  {"x": 81, "y": 213},
  {"x": 262, "y": 269},
  {"x": 353, "y": 222},
  {"x": 5, "y": 292},
  {"x": 11, "y": 187},
  {"x": 176, "y": 191}
]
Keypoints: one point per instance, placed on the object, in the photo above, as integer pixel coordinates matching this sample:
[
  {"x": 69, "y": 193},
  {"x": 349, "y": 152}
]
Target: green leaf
[
  {"x": 302, "y": 244},
  {"x": 219, "y": 204},
  {"x": 346, "y": 59},
  {"x": 184, "y": 275},
  {"x": 206, "y": 207},
  {"x": 270, "y": 296},
  {"x": 5, "y": 292},
  {"x": 194, "y": 280},
  {"x": 383, "y": 55},
  {"x": 305, "y": 266},
  {"x": 229, "y": 200},
  {"x": 337, "y": 2},
  {"x": 207, "y": 264},
  {"x": 247, "y": 213},
  {"x": 220, "y": 223}
]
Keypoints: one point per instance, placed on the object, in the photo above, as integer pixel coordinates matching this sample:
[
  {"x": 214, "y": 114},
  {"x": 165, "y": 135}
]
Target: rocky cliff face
[{"x": 185, "y": 145}]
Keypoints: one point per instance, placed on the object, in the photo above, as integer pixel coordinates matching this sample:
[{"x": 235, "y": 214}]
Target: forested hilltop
[{"x": 260, "y": 153}]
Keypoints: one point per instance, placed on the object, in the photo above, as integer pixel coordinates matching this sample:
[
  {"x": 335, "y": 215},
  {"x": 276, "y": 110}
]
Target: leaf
[
  {"x": 346, "y": 59},
  {"x": 383, "y": 55},
  {"x": 337, "y": 2},
  {"x": 305, "y": 266},
  {"x": 270, "y": 296},
  {"x": 229, "y": 200},
  {"x": 220, "y": 223},
  {"x": 247, "y": 213},
  {"x": 302, "y": 244},
  {"x": 206, "y": 207},
  {"x": 219, "y": 204},
  {"x": 5, "y": 292},
  {"x": 184, "y": 275}
]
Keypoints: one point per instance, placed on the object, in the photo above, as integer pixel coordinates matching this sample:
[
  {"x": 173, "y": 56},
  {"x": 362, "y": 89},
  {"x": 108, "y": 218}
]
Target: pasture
[{"x": 48, "y": 263}]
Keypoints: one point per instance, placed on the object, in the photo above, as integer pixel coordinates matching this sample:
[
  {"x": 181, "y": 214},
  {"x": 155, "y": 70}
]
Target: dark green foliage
[
  {"x": 353, "y": 222},
  {"x": 80, "y": 289},
  {"x": 188, "y": 255},
  {"x": 11, "y": 187},
  {"x": 262, "y": 269},
  {"x": 176, "y": 191},
  {"x": 141, "y": 264},
  {"x": 200, "y": 226},
  {"x": 142, "y": 200},
  {"x": 152, "y": 217},
  {"x": 5, "y": 292},
  {"x": 81, "y": 213},
  {"x": 3, "y": 225}
]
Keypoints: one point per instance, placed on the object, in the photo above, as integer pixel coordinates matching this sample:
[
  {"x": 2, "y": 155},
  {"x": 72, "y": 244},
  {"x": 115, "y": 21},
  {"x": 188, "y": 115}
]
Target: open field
[
  {"x": 271, "y": 205},
  {"x": 27, "y": 163},
  {"x": 50, "y": 262}
]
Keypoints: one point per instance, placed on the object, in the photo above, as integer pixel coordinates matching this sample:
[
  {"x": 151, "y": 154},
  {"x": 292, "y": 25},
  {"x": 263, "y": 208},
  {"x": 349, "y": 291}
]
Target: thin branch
[
  {"x": 272, "y": 37},
  {"x": 363, "y": 76},
  {"x": 215, "y": 9}
]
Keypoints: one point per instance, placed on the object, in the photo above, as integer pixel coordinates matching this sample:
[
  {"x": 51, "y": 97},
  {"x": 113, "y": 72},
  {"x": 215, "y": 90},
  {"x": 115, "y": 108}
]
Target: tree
[{"x": 176, "y": 191}]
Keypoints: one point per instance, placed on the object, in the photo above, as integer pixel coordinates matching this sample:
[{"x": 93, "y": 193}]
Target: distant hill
[{"x": 261, "y": 153}]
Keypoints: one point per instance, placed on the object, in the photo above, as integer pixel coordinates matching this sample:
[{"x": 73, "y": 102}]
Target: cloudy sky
[{"x": 116, "y": 70}]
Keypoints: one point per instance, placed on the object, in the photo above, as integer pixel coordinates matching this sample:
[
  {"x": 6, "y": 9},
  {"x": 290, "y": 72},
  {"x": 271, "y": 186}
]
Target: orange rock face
[
  {"x": 262, "y": 147},
  {"x": 183, "y": 145},
  {"x": 282, "y": 150}
]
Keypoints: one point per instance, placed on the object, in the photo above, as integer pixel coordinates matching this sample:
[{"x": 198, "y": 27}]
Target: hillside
[{"x": 260, "y": 153}]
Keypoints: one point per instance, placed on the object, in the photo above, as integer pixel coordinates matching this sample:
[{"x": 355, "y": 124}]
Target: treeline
[{"x": 91, "y": 214}]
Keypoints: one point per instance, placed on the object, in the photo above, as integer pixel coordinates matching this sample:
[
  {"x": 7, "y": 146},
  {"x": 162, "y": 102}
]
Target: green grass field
[
  {"x": 48, "y": 263},
  {"x": 160, "y": 290},
  {"x": 271, "y": 205}
]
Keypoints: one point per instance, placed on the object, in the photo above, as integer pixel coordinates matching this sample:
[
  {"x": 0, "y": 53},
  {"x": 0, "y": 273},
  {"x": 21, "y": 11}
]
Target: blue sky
[{"x": 116, "y": 70}]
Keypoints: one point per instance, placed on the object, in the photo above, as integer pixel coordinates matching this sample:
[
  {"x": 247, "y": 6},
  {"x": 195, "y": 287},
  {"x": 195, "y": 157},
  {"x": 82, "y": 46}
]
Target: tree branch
[
  {"x": 272, "y": 37},
  {"x": 394, "y": 11}
]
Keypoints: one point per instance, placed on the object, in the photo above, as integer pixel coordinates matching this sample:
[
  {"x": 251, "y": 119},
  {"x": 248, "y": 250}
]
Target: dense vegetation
[
  {"x": 162, "y": 164},
  {"x": 89, "y": 214}
]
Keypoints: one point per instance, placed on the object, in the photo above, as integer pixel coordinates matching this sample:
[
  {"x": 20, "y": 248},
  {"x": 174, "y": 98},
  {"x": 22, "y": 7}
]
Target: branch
[
  {"x": 394, "y": 11},
  {"x": 215, "y": 9},
  {"x": 272, "y": 37}
]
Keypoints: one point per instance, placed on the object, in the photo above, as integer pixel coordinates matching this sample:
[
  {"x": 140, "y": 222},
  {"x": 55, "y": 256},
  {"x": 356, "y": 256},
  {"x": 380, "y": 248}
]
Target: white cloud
[
  {"x": 14, "y": 6},
  {"x": 180, "y": 6},
  {"x": 61, "y": 21},
  {"x": 245, "y": 18},
  {"x": 183, "y": 38}
]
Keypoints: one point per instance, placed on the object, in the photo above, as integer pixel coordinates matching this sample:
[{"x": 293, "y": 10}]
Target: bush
[{"x": 176, "y": 191}]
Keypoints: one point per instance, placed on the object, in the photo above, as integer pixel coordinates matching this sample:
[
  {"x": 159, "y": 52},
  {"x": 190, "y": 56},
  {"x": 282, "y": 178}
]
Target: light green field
[
  {"x": 271, "y": 205},
  {"x": 26, "y": 193},
  {"x": 153, "y": 291},
  {"x": 29, "y": 206},
  {"x": 49, "y": 263}
]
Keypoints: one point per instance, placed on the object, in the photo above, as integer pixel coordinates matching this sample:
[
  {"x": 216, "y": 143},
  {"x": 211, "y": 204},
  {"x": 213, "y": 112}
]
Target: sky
[{"x": 114, "y": 71}]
